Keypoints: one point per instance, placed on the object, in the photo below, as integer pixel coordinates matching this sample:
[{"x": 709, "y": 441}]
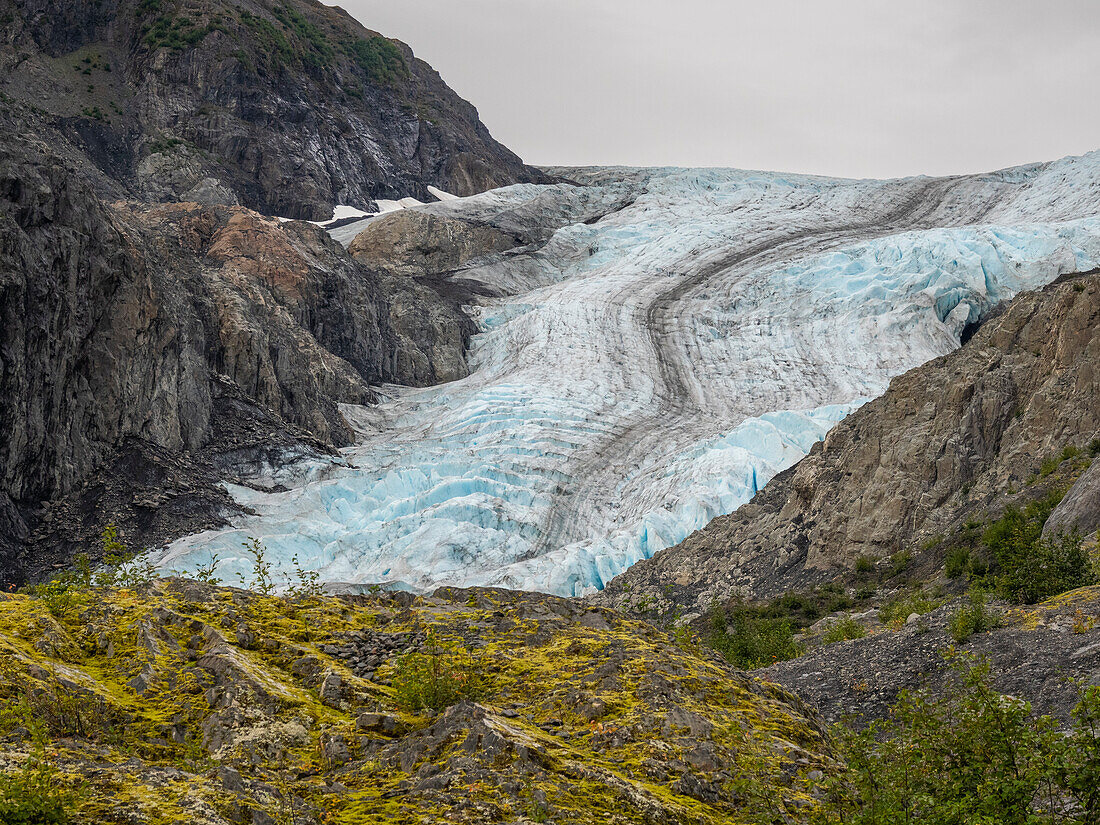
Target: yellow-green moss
[{"x": 605, "y": 705}]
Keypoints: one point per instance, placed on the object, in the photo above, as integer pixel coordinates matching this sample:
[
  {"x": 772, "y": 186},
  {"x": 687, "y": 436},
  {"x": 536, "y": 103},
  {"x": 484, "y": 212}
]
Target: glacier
[{"x": 666, "y": 342}]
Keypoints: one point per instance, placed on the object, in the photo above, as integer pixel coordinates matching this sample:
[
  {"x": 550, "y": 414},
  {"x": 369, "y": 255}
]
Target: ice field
[{"x": 668, "y": 341}]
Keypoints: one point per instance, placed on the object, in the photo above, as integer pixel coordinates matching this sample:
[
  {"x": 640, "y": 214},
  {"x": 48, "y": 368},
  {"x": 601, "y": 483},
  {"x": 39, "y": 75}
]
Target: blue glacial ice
[{"x": 655, "y": 368}]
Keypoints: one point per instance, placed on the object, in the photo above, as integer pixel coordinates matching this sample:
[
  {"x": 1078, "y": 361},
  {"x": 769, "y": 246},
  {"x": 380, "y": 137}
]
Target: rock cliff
[
  {"x": 207, "y": 335},
  {"x": 952, "y": 440},
  {"x": 287, "y": 107}
]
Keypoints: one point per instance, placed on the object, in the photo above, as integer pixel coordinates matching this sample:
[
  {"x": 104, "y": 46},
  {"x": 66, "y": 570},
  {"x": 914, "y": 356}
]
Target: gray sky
[{"x": 839, "y": 87}]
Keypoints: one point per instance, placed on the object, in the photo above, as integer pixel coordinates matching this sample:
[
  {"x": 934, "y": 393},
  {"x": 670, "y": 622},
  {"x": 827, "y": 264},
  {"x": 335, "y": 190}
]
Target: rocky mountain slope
[
  {"x": 180, "y": 701},
  {"x": 953, "y": 440},
  {"x": 284, "y": 106},
  {"x": 179, "y": 343}
]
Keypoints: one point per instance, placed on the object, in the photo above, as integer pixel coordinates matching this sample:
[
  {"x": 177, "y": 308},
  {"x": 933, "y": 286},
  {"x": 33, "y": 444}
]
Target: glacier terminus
[{"x": 668, "y": 342}]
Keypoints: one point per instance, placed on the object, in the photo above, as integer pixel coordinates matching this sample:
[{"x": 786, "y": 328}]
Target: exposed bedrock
[
  {"x": 203, "y": 339},
  {"x": 286, "y": 107},
  {"x": 1080, "y": 509},
  {"x": 948, "y": 441},
  {"x": 413, "y": 242}
]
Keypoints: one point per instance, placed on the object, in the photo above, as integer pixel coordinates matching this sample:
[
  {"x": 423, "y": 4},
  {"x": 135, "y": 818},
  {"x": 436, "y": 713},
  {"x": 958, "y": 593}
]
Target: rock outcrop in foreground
[
  {"x": 181, "y": 701},
  {"x": 953, "y": 440}
]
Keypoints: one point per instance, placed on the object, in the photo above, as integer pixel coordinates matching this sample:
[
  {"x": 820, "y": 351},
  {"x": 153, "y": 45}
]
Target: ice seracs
[{"x": 669, "y": 340}]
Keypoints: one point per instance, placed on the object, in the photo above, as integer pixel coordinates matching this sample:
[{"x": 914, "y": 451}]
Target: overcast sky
[{"x": 865, "y": 88}]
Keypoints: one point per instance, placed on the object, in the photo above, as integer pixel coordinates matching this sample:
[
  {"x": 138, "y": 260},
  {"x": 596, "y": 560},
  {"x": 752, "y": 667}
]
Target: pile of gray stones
[{"x": 364, "y": 651}]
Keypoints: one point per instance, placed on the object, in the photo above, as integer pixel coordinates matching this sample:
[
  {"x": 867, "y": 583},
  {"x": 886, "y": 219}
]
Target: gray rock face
[
  {"x": 290, "y": 107},
  {"x": 149, "y": 351},
  {"x": 1080, "y": 508},
  {"x": 412, "y": 242},
  {"x": 951, "y": 440}
]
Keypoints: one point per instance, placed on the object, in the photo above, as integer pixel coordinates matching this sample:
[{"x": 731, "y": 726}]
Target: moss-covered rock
[{"x": 185, "y": 702}]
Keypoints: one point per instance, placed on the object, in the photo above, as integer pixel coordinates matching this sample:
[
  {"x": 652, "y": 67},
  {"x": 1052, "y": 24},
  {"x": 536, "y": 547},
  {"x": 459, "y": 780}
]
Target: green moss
[
  {"x": 379, "y": 58},
  {"x": 597, "y": 717},
  {"x": 177, "y": 32}
]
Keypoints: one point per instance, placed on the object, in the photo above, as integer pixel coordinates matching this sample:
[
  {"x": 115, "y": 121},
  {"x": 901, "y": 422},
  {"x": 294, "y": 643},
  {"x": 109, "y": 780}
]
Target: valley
[
  {"x": 635, "y": 373},
  {"x": 354, "y": 471}
]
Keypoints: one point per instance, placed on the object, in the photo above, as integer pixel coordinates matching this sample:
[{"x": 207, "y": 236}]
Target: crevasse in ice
[{"x": 652, "y": 369}]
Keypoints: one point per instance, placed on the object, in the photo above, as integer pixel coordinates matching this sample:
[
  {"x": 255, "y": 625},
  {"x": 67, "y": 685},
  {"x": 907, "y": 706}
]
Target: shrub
[
  {"x": 974, "y": 617},
  {"x": 31, "y": 794},
  {"x": 1029, "y": 567},
  {"x": 957, "y": 563},
  {"x": 970, "y": 755},
  {"x": 1046, "y": 568},
  {"x": 208, "y": 572},
  {"x": 305, "y": 584},
  {"x": 1094, "y": 447},
  {"x": 864, "y": 565},
  {"x": 262, "y": 580},
  {"x": 843, "y": 629},
  {"x": 163, "y": 145},
  {"x": 437, "y": 678},
  {"x": 379, "y": 58},
  {"x": 1049, "y": 466},
  {"x": 270, "y": 40},
  {"x": 749, "y": 638},
  {"x": 931, "y": 542},
  {"x": 899, "y": 563},
  {"x": 1077, "y": 766},
  {"x": 306, "y": 32},
  {"x": 896, "y": 611},
  {"x": 60, "y": 599}
]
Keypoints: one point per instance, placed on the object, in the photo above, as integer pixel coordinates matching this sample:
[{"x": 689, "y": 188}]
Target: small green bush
[
  {"x": 438, "y": 677},
  {"x": 32, "y": 793},
  {"x": 749, "y": 638},
  {"x": 1030, "y": 567},
  {"x": 60, "y": 599},
  {"x": 843, "y": 629},
  {"x": 966, "y": 756},
  {"x": 957, "y": 563},
  {"x": 896, "y": 611},
  {"x": 379, "y": 58},
  {"x": 316, "y": 46},
  {"x": 931, "y": 542},
  {"x": 974, "y": 617},
  {"x": 864, "y": 565},
  {"x": 1049, "y": 466},
  {"x": 262, "y": 580},
  {"x": 899, "y": 563},
  {"x": 305, "y": 584},
  {"x": 30, "y": 796}
]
